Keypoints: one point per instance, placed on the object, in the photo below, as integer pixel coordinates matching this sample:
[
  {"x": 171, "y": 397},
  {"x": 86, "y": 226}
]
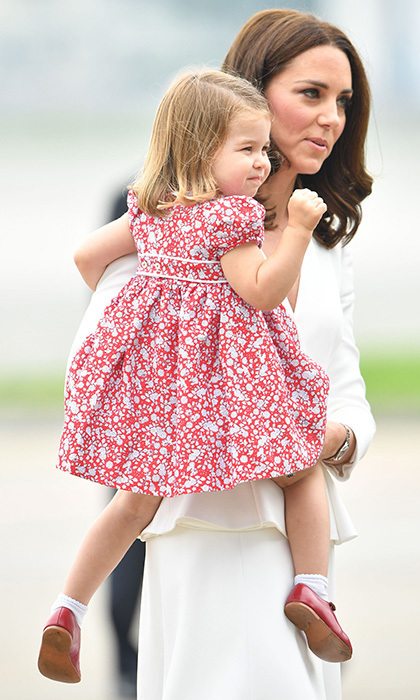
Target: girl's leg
[
  {"x": 107, "y": 541},
  {"x": 308, "y": 530},
  {"x": 307, "y": 520},
  {"x": 103, "y": 547}
]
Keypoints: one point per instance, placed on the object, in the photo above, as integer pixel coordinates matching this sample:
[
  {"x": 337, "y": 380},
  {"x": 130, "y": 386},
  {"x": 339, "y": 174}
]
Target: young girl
[{"x": 194, "y": 379}]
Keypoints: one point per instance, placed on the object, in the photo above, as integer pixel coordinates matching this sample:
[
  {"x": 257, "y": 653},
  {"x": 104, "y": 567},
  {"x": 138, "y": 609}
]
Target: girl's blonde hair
[{"x": 190, "y": 126}]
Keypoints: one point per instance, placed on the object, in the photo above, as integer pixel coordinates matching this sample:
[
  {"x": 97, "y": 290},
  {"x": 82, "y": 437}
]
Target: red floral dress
[{"x": 184, "y": 387}]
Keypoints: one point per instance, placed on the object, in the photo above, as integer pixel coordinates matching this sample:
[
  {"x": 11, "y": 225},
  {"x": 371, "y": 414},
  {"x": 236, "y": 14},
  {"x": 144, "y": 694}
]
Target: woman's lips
[{"x": 320, "y": 144}]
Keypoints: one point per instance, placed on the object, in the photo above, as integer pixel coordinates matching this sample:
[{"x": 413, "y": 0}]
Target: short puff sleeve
[
  {"x": 238, "y": 220},
  {"x": 133, "y": 210}
]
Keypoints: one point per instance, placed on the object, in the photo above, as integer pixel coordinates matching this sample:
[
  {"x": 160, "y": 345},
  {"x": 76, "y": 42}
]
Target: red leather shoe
[
  {"x": 60, "y": 648},
  {"x": 315, "y": 617}
]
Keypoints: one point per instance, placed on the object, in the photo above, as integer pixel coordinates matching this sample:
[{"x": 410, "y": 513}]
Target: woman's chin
[
  {"x": 301, "y": 168},
  {"x": 311, "y": 167}
]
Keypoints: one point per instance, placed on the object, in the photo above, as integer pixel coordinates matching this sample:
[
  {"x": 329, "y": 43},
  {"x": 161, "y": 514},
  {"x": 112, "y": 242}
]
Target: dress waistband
[{"x": 182, "y": 269}]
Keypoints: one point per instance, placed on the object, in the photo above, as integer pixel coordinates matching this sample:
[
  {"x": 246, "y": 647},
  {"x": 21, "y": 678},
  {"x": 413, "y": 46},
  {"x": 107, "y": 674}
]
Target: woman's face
[{"x": 308, "y": 100}]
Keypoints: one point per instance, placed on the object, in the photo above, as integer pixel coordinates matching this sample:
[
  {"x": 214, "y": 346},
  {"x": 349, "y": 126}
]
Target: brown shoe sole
[
  {"x": 322, "y": 641},
  {"x": 54, "y": 659}
]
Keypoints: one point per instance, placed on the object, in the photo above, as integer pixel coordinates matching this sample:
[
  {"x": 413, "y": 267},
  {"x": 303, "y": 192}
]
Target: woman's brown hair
[
  {"x": 263, "y": 48},
  {"x": 190, "y": 126}
]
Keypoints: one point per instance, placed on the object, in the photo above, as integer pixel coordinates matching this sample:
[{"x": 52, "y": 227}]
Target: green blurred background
[{"x": 392, "y": 380}]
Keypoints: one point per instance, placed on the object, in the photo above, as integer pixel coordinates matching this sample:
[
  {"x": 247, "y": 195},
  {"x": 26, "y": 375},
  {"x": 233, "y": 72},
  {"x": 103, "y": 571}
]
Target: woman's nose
[{"x": 329, "y": 116}]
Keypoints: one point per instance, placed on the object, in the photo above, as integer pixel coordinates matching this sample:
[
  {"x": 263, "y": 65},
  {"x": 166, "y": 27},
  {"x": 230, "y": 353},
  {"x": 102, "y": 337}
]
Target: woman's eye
[
  {"x": 344, "y": 102},
  {"x": 312, "y": 93}
]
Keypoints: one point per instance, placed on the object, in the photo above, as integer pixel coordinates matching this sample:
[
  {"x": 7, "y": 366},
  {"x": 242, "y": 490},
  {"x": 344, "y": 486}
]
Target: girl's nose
[{"x": 260, "y": 161}]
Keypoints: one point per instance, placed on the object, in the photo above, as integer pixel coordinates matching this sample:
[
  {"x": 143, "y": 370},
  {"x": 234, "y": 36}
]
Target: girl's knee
[{"x": 137, "y": 504}]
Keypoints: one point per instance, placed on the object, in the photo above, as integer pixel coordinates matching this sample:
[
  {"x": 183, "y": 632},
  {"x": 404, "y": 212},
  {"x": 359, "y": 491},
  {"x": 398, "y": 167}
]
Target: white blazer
[{"x": 324, "y": 317}]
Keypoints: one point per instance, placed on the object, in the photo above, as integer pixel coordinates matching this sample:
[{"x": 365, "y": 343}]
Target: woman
[{"x": 218, "y": 566}]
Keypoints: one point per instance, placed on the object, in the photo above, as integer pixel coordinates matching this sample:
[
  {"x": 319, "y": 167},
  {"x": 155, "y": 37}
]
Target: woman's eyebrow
[{"x": 319, "y": 83}]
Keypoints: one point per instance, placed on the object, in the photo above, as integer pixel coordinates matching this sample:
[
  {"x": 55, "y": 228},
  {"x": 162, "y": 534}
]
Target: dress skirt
[{"x": 212, "y": 627}]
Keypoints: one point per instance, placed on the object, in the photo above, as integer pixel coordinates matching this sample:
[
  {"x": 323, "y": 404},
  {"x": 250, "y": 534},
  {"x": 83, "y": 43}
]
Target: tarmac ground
[{"x": 44, "y": 514}]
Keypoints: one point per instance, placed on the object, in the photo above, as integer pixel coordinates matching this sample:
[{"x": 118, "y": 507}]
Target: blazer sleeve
[{"x": 347, "y": 401}]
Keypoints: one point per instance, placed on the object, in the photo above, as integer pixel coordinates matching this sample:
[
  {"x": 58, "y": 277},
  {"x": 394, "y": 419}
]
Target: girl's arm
[
  {"x": 101, "y": 247},
  {"x": 265, "y": 282}
]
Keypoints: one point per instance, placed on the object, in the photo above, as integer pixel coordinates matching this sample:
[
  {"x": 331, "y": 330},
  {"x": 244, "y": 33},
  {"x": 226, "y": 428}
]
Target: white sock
[
  {"x": 317, "y": 582},
  {"x": 79, "y": 610}
]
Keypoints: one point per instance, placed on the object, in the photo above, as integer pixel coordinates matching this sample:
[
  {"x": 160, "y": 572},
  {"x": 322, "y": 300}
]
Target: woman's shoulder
[
  {"x": 337, "y": 255},
  {"x": 336, "y": 262}
]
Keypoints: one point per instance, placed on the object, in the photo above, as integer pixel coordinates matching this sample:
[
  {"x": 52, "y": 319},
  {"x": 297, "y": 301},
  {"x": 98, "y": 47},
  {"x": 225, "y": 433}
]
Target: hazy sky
[{"x": 96, "y": 54}]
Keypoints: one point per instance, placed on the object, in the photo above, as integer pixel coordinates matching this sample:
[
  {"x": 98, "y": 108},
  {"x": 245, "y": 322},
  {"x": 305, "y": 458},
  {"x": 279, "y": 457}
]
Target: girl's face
[
  {"x": 308, "y": 100},
  {"x": 241, "y": 165}
]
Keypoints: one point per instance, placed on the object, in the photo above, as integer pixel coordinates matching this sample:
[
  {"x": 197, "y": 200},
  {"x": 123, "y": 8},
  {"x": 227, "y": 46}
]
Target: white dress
[{"x": 218, "y": 565}]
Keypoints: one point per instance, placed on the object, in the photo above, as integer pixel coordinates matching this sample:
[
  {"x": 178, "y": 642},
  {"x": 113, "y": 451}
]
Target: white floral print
[{"x": 184, "y": 387}]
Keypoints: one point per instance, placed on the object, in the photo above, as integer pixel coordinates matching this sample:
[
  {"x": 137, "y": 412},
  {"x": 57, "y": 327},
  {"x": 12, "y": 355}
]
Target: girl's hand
[
  {"x": 102, "y": 247},
  {"x": 265, "y": 282},
  {"x": 305, "y": 209}
]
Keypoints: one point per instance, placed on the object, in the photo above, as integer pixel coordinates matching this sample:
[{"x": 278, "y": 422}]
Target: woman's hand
[{"x": 335, "y": 436}]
